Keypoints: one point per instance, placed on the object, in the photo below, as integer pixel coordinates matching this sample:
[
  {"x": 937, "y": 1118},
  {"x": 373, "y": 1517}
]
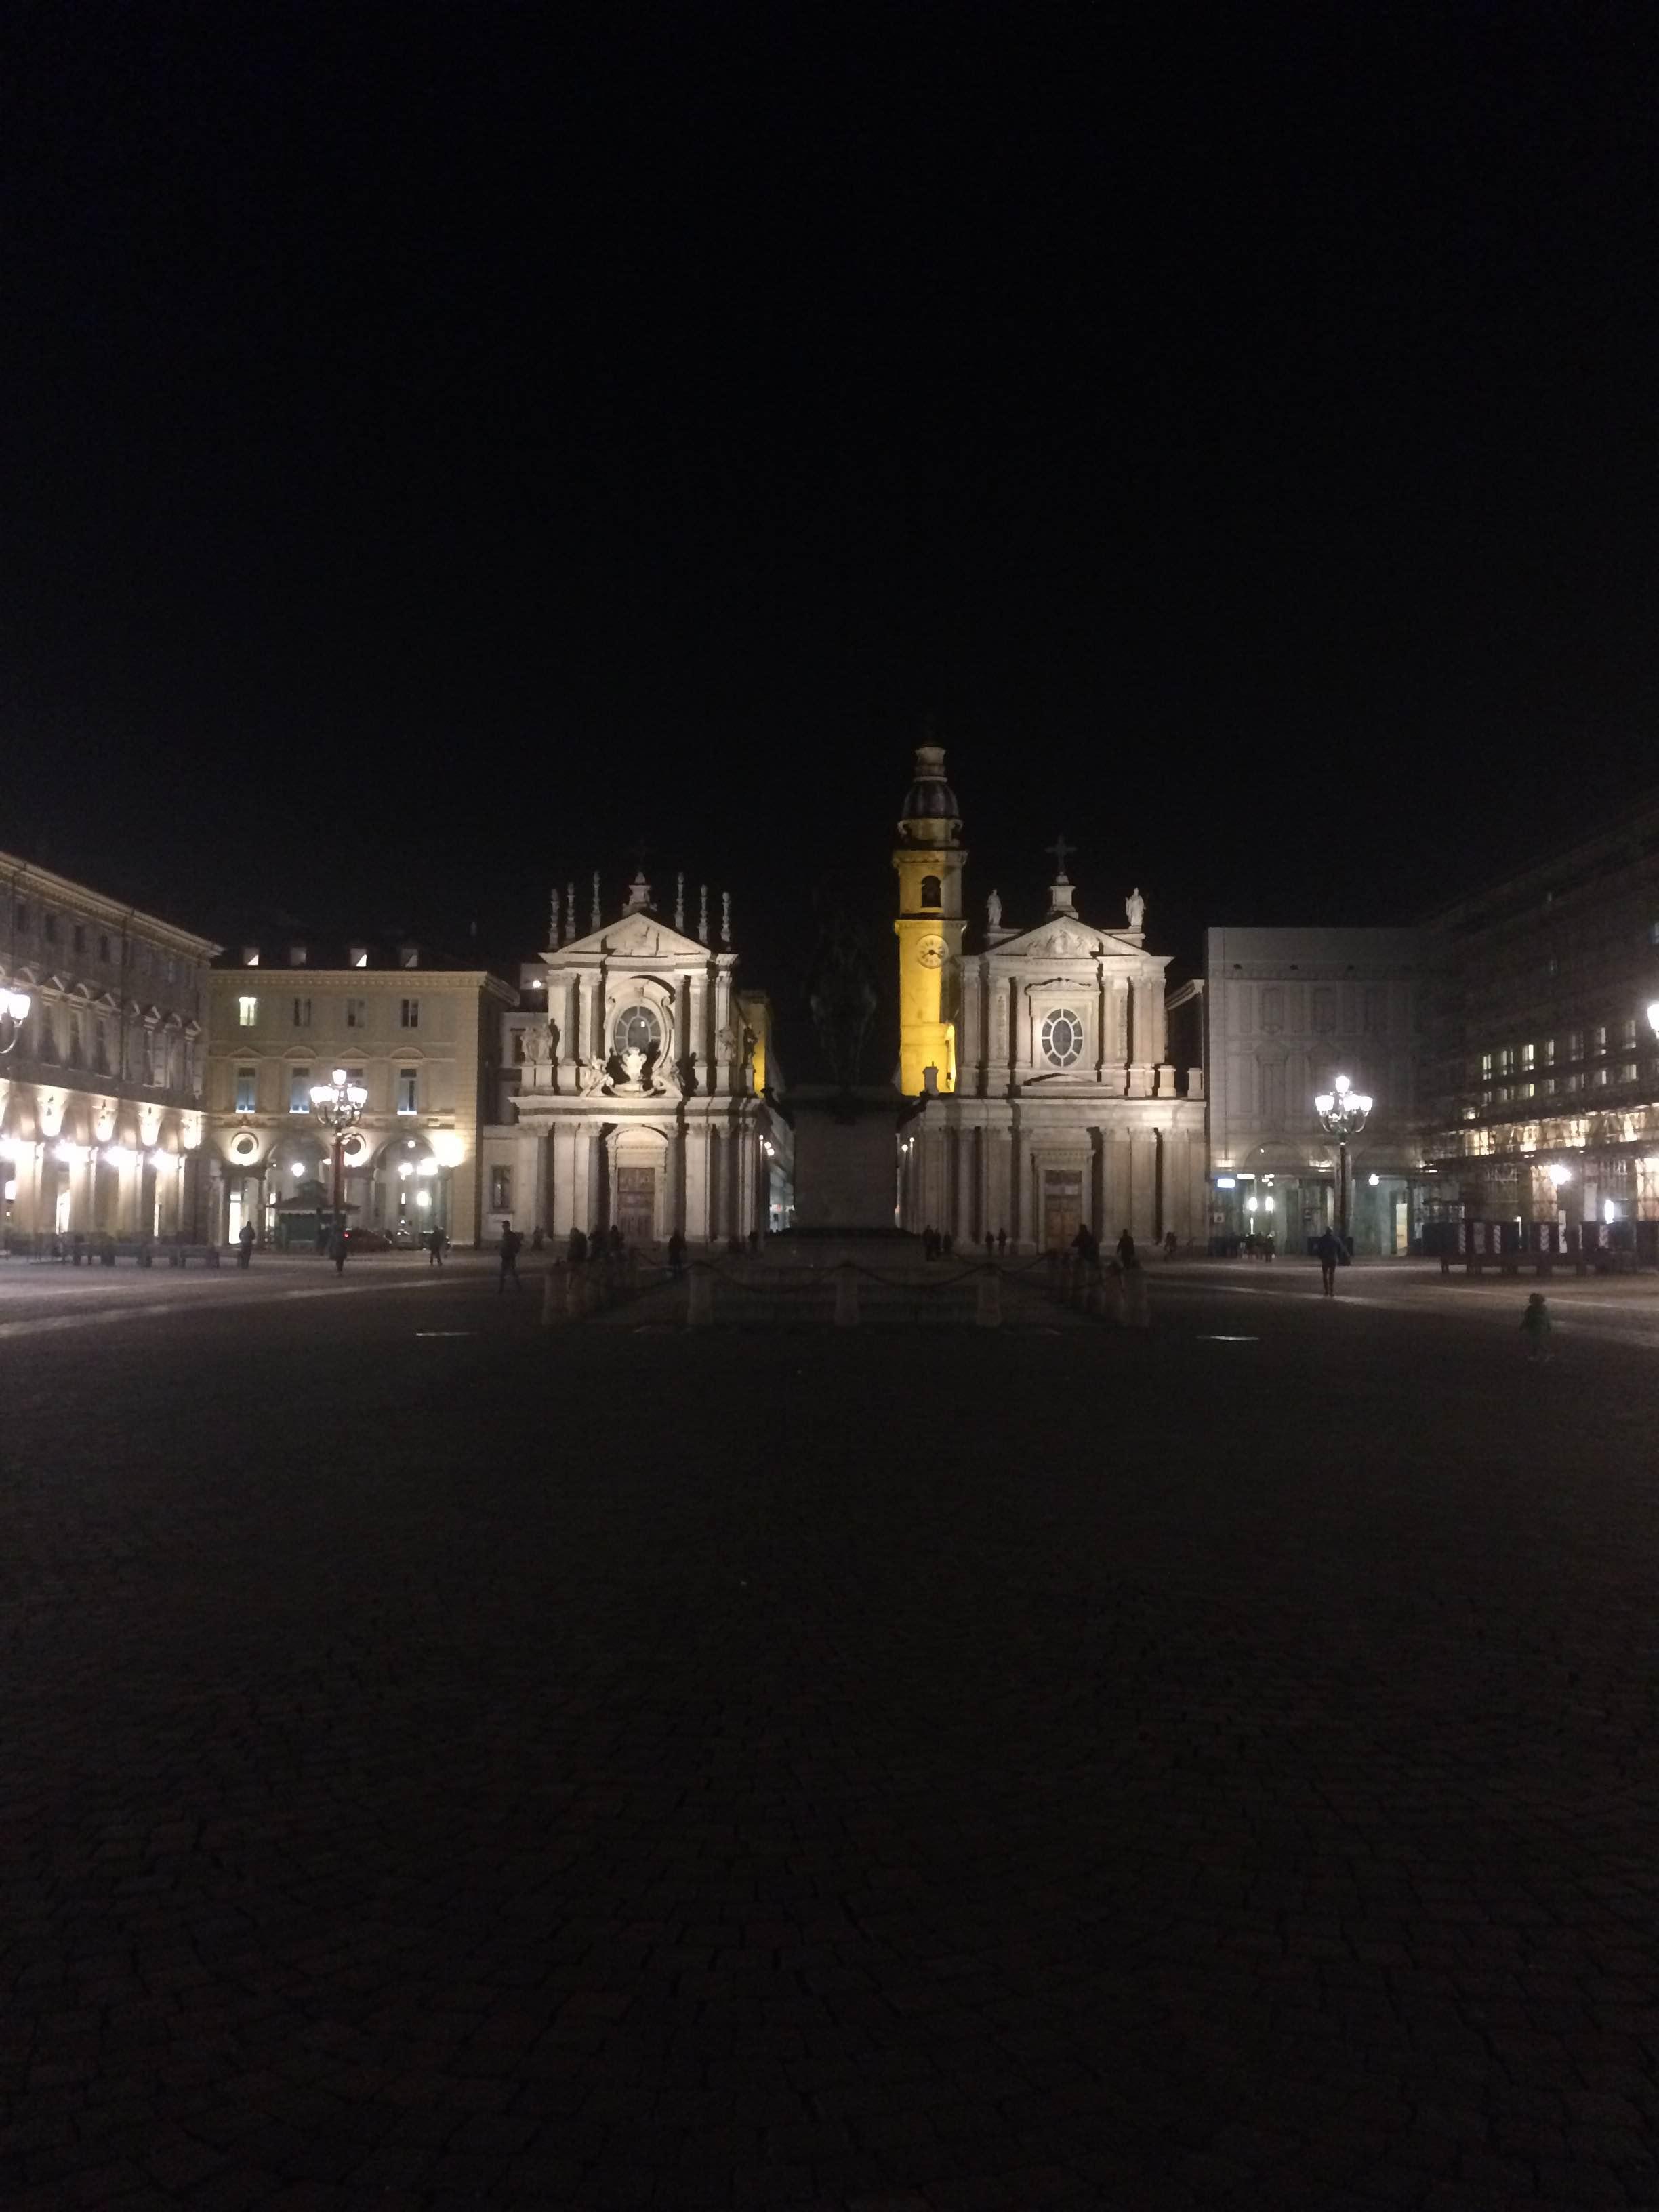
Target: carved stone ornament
[
  {"x": 537, "y": 1044},
  {"x": 1064, "y": 941},
  {"x": 590, "y": 1076},
  {"x": 1135, "y": 907}
]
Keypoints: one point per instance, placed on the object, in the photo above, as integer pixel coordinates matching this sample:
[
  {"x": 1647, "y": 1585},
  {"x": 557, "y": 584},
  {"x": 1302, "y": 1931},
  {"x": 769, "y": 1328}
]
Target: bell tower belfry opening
[{"x": 929, "y": 860}]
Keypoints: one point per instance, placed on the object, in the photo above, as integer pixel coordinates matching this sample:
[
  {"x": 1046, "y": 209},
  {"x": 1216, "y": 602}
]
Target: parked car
[{"x": 368, "y": 1240}]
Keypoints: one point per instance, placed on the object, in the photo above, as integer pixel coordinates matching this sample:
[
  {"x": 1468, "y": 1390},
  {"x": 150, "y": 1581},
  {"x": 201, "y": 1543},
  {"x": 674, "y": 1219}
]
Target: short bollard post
[
  {"x": 552, "y": 1298},
  {"x": 1111, "y": 1295},
  {"x": 987, "y": 1305},
  {"x": 1137, "y": 1307},
  {"x": 847, "y": 1296},
  {"x": 699, "y": 1296},
  {"x": 1094, "y": 1301}
]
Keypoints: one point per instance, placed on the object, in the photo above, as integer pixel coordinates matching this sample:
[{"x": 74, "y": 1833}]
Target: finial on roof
[
  {"x": 725, "y": 917},
  {"x": 679, "y": 900},
  {"x": 553, "y": 915},
  {"x": 703, "y": 917},
  {"x": 569, "y": 912},
  {"x": 594, "y": 923}
]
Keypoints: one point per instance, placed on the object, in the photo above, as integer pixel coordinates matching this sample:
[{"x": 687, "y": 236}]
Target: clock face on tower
[{"x": 931, "y": 951}]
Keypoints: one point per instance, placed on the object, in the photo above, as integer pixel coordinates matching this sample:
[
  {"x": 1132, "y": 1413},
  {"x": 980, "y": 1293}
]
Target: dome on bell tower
[{"x": 930, "y": 798}]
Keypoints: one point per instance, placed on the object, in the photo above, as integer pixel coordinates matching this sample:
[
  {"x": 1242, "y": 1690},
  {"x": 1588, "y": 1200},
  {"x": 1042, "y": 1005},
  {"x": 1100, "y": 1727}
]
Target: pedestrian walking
[
  {"x": 576, "y": 1245},
  {"x": 245, "y": 1241},
  {"x": 435, "y": 1241},
  {"x": 990, "y": 1244},
  {"x": 1535, "y": 1321},
  {"x": 948, "y": 1242},
  {"x": 1126, "y": 1249},
  {"x": 677, "y": 1255},
  {"x": 512, "y": 1244},
  {"x": 1328, "y": 1252},
  {"x": 337, "y": 1250},
  {"x": 1002, "y": 1241},
  {"x": 1172, "y": 1245}
]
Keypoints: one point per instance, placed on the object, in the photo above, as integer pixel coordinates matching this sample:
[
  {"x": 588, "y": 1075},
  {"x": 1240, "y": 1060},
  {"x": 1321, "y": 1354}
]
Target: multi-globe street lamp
[
  {"x": 338, "y": 1105},
  {"x": 13, "y": 1013},
  {"x": 1342, "y": 1113}
]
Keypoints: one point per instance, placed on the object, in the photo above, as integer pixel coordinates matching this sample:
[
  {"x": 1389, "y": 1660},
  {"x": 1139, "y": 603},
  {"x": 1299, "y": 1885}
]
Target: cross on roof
[{"x": 1059, "y": 849}]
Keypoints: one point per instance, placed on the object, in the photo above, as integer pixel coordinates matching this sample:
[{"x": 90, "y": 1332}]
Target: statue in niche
[
  {"x": 536, "y": 1047},
  {"x": 994, "y": 912},
  {"x": 1135, "y": 907}
]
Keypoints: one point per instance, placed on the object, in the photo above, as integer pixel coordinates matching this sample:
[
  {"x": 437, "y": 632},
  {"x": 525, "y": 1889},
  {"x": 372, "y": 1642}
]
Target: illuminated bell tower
[{"x": 929, "y": 860}]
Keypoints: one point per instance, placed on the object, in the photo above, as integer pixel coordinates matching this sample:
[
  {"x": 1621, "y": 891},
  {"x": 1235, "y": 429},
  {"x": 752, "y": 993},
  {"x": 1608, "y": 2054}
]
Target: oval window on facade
[
  {"x": 638, "y": 1031},
  {"x": 1062, "y": 1037},
  {"x": 245, "y": 1147}
]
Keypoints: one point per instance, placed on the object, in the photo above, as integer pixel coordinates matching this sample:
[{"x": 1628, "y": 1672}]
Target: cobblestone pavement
[{"x": 454, "y": 1764}]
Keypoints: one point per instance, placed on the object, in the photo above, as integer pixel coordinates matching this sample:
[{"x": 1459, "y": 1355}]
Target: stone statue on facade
[
  {"x": 590, "y": 1075},
  {"x": 1135, "y": 907},
  {"x": 994, "y": 911},
  {"x": 538, "y": 1045}
]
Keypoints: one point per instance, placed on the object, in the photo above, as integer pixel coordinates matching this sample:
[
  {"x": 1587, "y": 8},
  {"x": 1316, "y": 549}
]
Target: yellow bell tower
[{"x": 929, "y": 860}]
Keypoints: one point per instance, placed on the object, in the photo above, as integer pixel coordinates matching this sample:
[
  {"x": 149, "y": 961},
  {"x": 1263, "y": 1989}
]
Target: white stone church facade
[
  {"x": 640, "y": 1069},
  {"x": 1057, "y": 1107}
]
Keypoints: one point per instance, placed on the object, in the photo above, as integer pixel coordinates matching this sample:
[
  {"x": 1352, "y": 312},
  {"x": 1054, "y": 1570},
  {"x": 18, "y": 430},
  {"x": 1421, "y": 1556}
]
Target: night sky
[{"x": 444, "y": 445}]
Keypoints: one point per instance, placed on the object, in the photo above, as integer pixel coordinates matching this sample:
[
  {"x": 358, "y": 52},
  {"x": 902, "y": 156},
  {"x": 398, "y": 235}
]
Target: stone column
[
  {"x": 966, "y": 1165},
  {"x": 530, "y": 1160},
  {"x": 696, "y": 1180},
  {"x": 583, "y": 1147},
  {"x": 721, "y": 1080},
  {"x": 1143, "y": 1217}
]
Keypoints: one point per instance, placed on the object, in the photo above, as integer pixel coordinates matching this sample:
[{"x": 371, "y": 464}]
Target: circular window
[
  {"x": 354, "y": 1147},
  {"x": 245, "y": 1147},
  {"x": 1062, "y": 1037},
  {"x": 638, "y": 1031}
]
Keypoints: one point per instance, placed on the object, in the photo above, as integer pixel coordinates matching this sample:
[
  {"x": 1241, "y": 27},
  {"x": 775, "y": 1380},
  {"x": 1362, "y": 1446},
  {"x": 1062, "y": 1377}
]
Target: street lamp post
[
  {"x": 1342, "y": 1113},
  {"x": 338, "y": 1105},
  {"x": 13, "y": 1013}
]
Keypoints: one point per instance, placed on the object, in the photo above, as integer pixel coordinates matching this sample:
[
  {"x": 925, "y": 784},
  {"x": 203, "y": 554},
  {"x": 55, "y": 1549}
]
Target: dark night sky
[{"x": 444, "y": 445}]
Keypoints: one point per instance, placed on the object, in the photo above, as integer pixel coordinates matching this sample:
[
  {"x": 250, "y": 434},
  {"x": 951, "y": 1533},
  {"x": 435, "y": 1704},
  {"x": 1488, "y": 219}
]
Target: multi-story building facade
[
  {"x": 1542, "y": 1078},
  {"x": 101, "y": 1093},
  {"x": 421, "y": 1036},
  {"x": 1280, "y": 1013},
  {"x": 631, "y": 1087}
]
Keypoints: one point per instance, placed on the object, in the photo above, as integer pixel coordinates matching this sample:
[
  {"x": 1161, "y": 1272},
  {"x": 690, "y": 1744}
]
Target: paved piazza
[{"x": 449, "y": 1763}]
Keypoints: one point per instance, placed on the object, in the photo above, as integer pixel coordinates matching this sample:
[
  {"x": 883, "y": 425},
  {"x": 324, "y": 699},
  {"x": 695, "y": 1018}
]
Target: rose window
[{"x": 1062, "y": 1037}]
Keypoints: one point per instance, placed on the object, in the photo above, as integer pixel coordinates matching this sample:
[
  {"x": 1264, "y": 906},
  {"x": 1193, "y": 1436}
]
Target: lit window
[
  {"x": 302, "y": 1013},
  {"x": 407, "y": 1087},
  {"x": 1629, "y": 1033},
  {"x": 250, "y": 956},
  {"x": 299, "y": 1090},
  {"x": 247, "y": 1012},
  {"x": 501, "y": 1190},
  {"x": 410, "y": 1017},
  {"x": 1627, "y": 1073},
  {"x": 1549, "y": 1052},
  {"x": 1485, "y": 1067},
  {"x": 1526, "y": 1055},
  {"x": 360, "y": 955},
  {"x": 637, "y": 1030},
  {"x": 1062, "y": 1037},
  {"x": 247, "y": 1089},
  {"x": 356, "y": 1011}
]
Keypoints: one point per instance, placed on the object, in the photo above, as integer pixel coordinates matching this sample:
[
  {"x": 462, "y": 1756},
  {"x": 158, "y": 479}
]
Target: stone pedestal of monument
[{"x": 846, "y": 1158}]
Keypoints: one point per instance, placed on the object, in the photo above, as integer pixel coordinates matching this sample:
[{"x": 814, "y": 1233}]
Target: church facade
[
  {"x": 1041, "y": 1056},
  {"x": 639, "y": 1068}
]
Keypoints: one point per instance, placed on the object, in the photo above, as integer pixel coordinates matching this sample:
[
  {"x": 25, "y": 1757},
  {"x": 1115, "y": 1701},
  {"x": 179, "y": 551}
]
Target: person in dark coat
[
  {"x": 1126, "y": 1249},
  {"x": 1328, "y": 1252},
  {"x": 245, "y": 1239},
  {"x": 337, "y": 1248},
  {"x": 512, "y": 1245},
  {"x": 576, "y": 1246},
  {"x": 677, "y": 1255},
  {"x": 435, "y": 1246}
]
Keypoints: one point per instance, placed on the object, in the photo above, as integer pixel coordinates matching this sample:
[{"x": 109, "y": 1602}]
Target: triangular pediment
[
  {"x": 640, "y": 936},
  {"x": 1063, "y": 937}
]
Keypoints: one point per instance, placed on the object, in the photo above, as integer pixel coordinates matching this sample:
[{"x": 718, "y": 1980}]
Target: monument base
[{"x": 846, "y": 1158}]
